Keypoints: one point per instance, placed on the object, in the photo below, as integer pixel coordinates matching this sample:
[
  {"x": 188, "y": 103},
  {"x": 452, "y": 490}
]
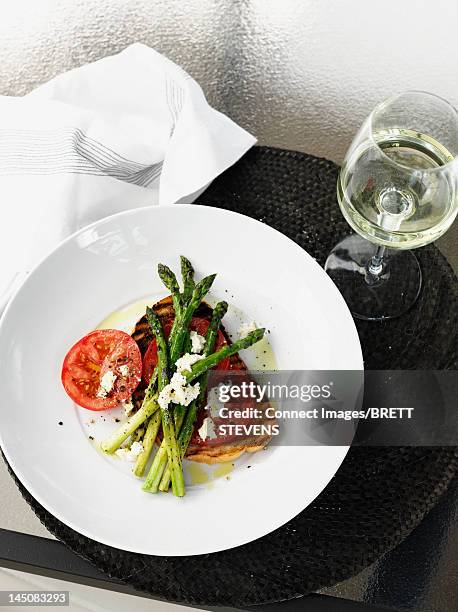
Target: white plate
[{"x": 110, "y": 264}]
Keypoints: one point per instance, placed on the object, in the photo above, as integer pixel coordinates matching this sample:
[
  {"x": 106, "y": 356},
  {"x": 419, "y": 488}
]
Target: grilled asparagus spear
[
  {"x": 148, "y": 443},
  {"x": 168, "y": 428},
  {"x": 187, "y": 273},
  {"x": 182, "y": 329},
  {"x": 201, "y": 366},
  {"x": 187, "y": 424},
  {"x": 170, "y": 281}
]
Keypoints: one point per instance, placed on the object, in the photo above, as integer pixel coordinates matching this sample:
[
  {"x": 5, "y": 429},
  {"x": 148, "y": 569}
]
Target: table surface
[{"x": 276, "y": 73}]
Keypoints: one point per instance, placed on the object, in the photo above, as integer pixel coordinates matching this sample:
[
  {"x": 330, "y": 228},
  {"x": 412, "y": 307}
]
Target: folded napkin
[{"x": 126, "y": 131}]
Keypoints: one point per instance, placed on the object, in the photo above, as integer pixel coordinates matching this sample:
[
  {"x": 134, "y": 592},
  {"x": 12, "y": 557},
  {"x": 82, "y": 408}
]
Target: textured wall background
[{"x": 299, "y": 74}]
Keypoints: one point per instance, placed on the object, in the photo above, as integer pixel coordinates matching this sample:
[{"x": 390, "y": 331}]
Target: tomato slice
[
  {"x": 93, "y": 356},
  {"x": 198, "y": 325}
]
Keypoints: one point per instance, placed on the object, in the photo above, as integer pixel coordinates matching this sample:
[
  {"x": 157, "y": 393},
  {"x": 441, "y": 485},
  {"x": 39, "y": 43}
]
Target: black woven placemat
[{"x": 379, "y": 494}]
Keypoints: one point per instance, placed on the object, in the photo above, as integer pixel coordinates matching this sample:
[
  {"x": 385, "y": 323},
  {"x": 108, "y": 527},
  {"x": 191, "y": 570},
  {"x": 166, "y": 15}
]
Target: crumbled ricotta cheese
[
  {"x": 197, "y": 342},
  {"x": 185, "y": 363},
  {"x": 130, "y": 454},
  {"x": 207, "y": 430},
  {"x": 128, "y": 407},
  {"x": 190, "y": 393},
  {"x": 106, "y": 383},
  {"x": 124, "y": 370},
  {"x": 136, "y": 449},
  {"x": 178, "y": 392},
  {"x": 247, "y": 328},
  {"x": 165, "y": 397},
  {"x": 178, "y": 380},
  {"x": 178, "y": 386},
  {"x": 121, "y": 453}
]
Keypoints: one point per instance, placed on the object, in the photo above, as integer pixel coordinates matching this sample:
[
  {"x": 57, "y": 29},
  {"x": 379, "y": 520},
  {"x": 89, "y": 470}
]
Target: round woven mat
[{"x": 379, "y": 494}]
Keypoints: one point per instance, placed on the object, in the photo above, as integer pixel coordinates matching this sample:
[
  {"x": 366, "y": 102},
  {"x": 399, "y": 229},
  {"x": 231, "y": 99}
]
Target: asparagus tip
[
  {"x": 256, "y": 335},
  {"x": 221, "y": 308},
  {"x": 167, "y": 277}
]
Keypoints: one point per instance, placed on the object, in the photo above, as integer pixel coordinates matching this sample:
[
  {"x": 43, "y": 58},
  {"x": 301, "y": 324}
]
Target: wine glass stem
[{"x": 375, "y": 265}]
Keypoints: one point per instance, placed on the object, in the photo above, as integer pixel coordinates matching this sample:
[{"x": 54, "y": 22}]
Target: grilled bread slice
[{"x": 211, "y": 450}]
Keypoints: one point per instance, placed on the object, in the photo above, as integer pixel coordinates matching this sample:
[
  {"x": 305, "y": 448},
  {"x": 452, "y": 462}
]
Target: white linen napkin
[{"x": 126, "y": 131}]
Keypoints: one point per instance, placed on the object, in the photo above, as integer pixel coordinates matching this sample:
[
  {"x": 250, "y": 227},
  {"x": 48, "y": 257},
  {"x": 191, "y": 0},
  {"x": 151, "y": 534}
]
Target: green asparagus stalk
[
  {"x": 153, "y": 479},
  {"x": 148, "y": 442},
  {"x": 187, "y": 273},
  {"x": 151, "y": 484},
  {"x": 151, "y": 388},
  {"x": 152, "y": 428},
  {"x": 179, "y": 338},
  {"x": 186, "y": 426},
  {"x": 212, "y": 332},
  {"x": 138, "y": 434},
  {"x": 201, "y": 366},
  {"x": 133, "y": 422},
  {"x": 170, "y": 281},
  {"x": 173, "y": 454}
]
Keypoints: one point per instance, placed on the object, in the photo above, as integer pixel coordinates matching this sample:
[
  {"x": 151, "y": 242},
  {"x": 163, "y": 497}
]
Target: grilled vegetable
[
  {"x": 148, "y": 443},
  {"x": 182, "y": 328},
  {"x": 111, "y": 444},
  {"x": 210, "y": 361},
  {"x": 187, "y": 273},
  {"x": 102, "y": 352},
  {"x": 168, "y": 428},
  {"x": 187, "y": 423},
  {"x": 170, "y": 281}
]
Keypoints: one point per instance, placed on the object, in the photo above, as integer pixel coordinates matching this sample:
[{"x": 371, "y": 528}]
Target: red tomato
[
  {"x": 91, "y": 357},
  {"x": 198, "y": 325}
]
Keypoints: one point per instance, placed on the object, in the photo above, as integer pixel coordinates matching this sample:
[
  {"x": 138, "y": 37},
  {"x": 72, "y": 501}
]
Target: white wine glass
[{"x": 398, "y": 189}]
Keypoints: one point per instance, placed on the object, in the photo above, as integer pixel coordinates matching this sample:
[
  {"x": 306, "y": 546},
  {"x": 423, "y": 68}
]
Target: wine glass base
[{"x": 374, "y": 297}]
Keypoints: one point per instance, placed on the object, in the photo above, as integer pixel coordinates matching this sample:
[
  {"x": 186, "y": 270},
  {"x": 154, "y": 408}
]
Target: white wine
[
  {"x": 398, "y": 189},
  {"x": 395, "y": 190}
]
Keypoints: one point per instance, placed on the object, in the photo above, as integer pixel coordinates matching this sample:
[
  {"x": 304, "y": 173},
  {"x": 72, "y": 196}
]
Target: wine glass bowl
[{"x": 398, "y": 190}]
